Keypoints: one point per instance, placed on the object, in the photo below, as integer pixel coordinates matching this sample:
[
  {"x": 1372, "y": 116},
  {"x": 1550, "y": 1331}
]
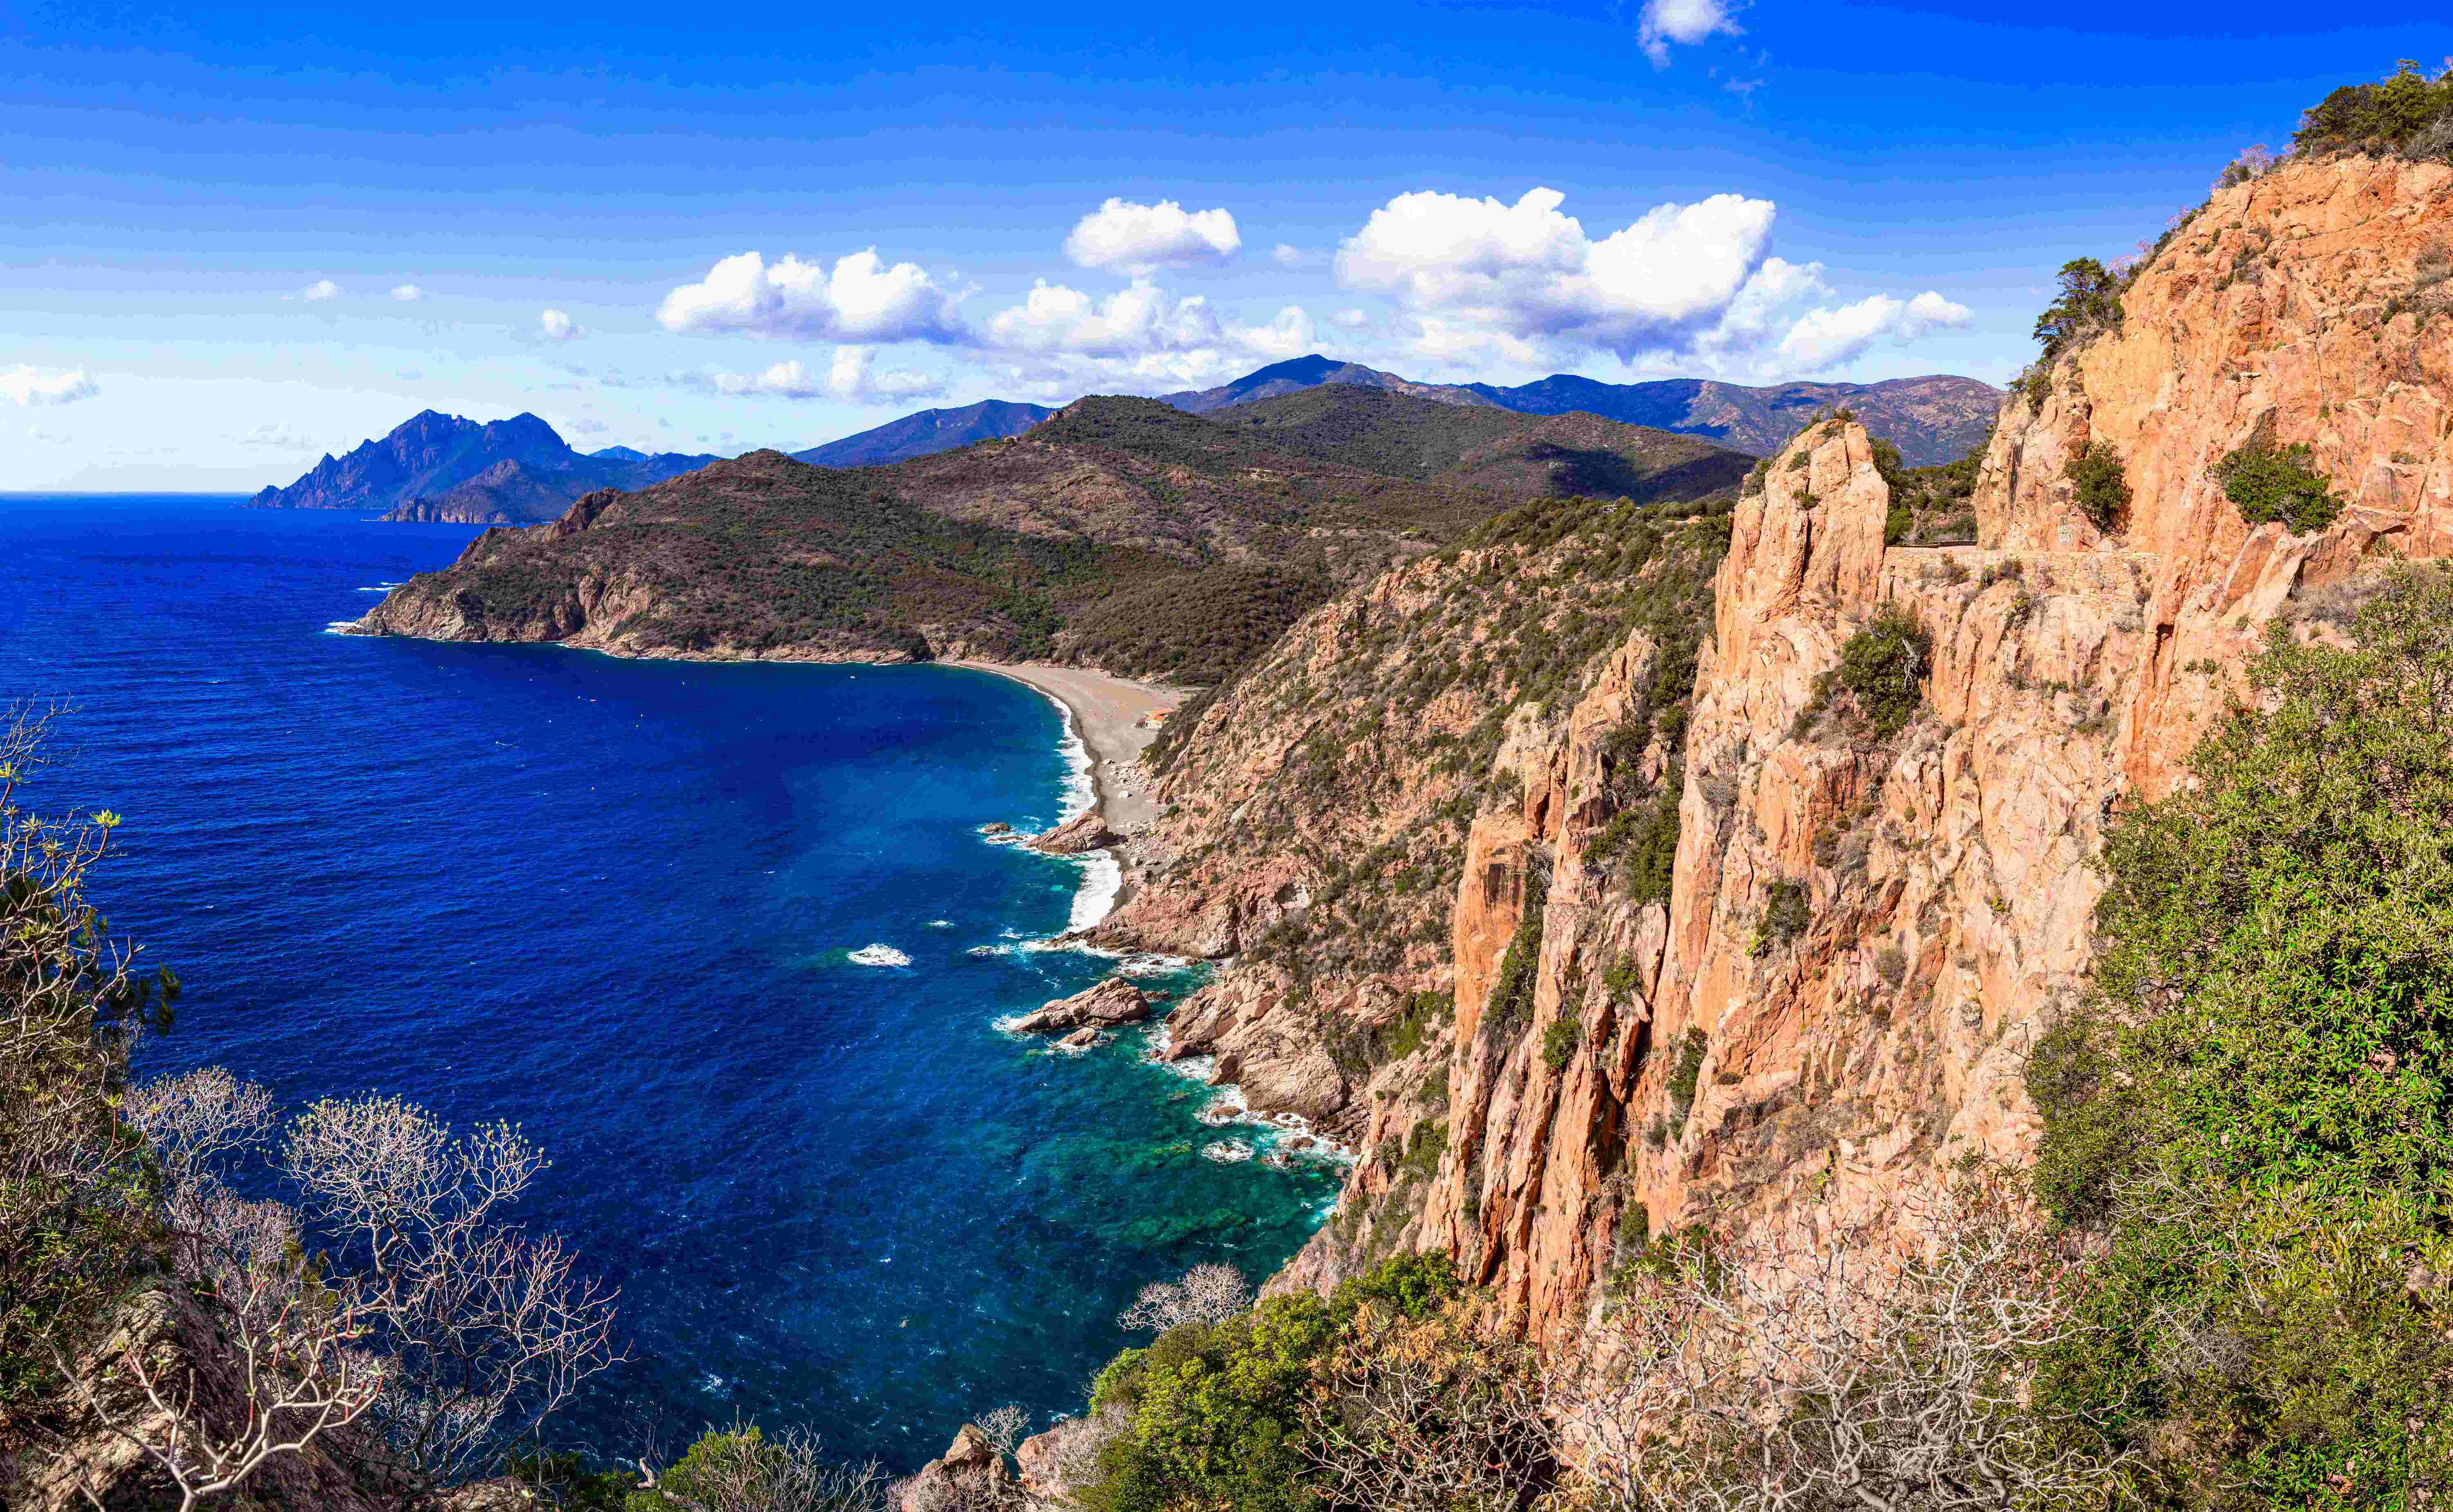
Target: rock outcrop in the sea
[
  {"x": 1110, "y": 1004},
  {"x": 1864, "y": 928},
  {"x": 1084, "y": 832}
]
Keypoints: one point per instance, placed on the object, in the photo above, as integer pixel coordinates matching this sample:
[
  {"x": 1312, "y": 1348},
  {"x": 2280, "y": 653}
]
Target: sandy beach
[{"x": 1108, "y": 713}]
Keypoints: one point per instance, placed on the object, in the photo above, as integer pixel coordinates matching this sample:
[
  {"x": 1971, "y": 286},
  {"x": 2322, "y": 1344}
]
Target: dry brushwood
[
  {"x": 1781, "y": 1379},
  {"x": 1206, "y": 1294},
  {"x": 488, "y": 1329}
]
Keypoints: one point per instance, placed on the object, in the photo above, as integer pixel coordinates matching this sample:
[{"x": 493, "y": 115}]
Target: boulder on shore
[
  {"x": 1082, "y": 1039},
  {"x": 1086, "y": 830},
  {"x": 1112, "y": 1002}
]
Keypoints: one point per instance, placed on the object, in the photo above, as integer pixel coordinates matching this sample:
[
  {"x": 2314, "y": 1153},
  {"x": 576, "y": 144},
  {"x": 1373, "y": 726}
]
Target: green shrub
[
  {"x": 1687, "y": 1071},
  {"x": 2089, "y": 304},
  {"x": 1423, "y": 1147},
  {"x": 1511, "y": 990},
  {"x": 1884, "y": 665},
  {"x": 1218, "y": 1419},
  {"x": 1787, "y": 913},
  {"x": 2396, "y": 115},
  {"x": 2255, "y": 1114},
  {"x": 2270, "y": 485},
  {"x": 1559, "y": 1041},
  {"x": 2103, "y": 489}
]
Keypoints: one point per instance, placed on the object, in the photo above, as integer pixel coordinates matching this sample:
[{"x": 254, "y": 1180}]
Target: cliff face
[
  {"x": 1864, "y": 932},
  {"x": 1864, "y": 935}
]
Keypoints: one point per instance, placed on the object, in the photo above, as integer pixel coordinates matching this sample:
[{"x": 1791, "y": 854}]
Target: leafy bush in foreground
[{"x": 2257, "y": 1112}]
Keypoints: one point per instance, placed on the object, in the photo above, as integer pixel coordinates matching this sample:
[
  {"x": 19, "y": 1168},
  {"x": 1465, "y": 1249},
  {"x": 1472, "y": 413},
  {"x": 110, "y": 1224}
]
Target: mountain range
[
  {"x": 434, "y": 466},
  {"x": 519, "y": 471}
]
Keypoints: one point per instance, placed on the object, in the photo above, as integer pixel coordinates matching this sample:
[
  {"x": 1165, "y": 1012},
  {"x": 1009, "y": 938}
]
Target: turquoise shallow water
[{"x": 613, "y": 902}]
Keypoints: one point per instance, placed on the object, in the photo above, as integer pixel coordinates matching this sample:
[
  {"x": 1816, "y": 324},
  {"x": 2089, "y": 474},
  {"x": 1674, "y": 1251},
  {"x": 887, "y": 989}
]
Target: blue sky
[{"x": 238, "y": 237}]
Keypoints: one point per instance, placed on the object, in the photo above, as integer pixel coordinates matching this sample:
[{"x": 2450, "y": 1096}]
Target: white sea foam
[
  {"x": 879, "y": 955},
  {"x": 1080, "y": 791},
  {"x": 941, "y": 923},
  {"x": 1228, "y": 1152},
  {"x": 989, "y": 950},
  {"x": 1103, "y": 876}
]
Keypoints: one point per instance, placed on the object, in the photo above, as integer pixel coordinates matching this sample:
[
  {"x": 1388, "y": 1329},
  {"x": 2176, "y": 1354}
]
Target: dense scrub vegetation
[
  {"x": 1194, "y": 627},
  {"x": 1930, "y": 505},
  {"x": 1523, "y": 456},
  {"x": 2256, "y": 1112},
  {"x": 1527, "y": 606},
  {"x": 2407, "y": 114}
]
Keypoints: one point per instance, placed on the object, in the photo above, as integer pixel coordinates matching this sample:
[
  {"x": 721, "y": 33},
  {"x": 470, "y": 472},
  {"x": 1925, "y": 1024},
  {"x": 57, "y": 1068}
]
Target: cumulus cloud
[
  {"x": 1286, "y": 254},
  {"x": 1122, "y": 237},
  {"x": 557, "y": 326},
  {"x": 1291, "y": 334},
  {"x": 1352, "y": 319},
  {"x": 861, "y": 299},
  {"x": 853, "y": 377},
  {"x": 26, "y": 385},
  {"x": 406, "y": 293},
  {"x": 1131, "y": 323},
  {"x": 1685, "y": 286},
  {"x": 1682, "y": 21},
  {"x": 1484, "y": 279},
  {"x": 1827, "y": 338},
  {"x": 320, "y": 290}
]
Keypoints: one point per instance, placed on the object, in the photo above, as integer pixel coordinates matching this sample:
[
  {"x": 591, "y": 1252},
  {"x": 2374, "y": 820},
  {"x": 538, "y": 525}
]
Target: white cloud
[
  {"x": 1131, "y": 323},
  {"x": 557, "y": 326},
  {"x": 1291, "y": 334},
  {"x": 853, "y": 377},
  {"x": 1827, "y": 338},
  {"x": 320, "y": 290},
  {"x": 1682, "y": 21},
  {"x": 1352, "y": 319},
  {"x": 406, "y": 293},
  {"x": 862, "y": 299},
  {"x": 276, "y": 437},
  {"x": 1285, "y": 254},
  {"x": 26, "y": 385},
  {"x": 590, "y": 427},
  {"x": 1484, "y": 279},
  {"x": 1122, "y": 237}
]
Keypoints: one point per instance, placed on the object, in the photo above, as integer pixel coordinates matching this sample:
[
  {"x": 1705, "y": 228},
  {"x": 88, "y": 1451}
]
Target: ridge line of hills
[
  {"x": 1123, "y": 533},
  {"x": 437, "y": 468}
]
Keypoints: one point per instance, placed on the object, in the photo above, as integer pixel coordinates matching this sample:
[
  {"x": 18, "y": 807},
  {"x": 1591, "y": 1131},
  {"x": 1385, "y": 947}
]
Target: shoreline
[{"x": 1107, "y": 714}]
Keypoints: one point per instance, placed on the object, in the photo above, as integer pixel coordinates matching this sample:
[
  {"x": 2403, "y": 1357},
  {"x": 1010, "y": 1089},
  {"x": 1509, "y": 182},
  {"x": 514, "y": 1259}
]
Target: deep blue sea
[{"x": 612, "y": 902}]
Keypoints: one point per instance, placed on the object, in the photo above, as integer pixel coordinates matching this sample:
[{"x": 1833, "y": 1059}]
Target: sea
[{"x": 727, "y": 940}]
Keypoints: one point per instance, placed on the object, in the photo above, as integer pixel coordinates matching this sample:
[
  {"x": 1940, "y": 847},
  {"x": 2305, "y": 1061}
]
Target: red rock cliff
[{"x": 1946, "y": 870}]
